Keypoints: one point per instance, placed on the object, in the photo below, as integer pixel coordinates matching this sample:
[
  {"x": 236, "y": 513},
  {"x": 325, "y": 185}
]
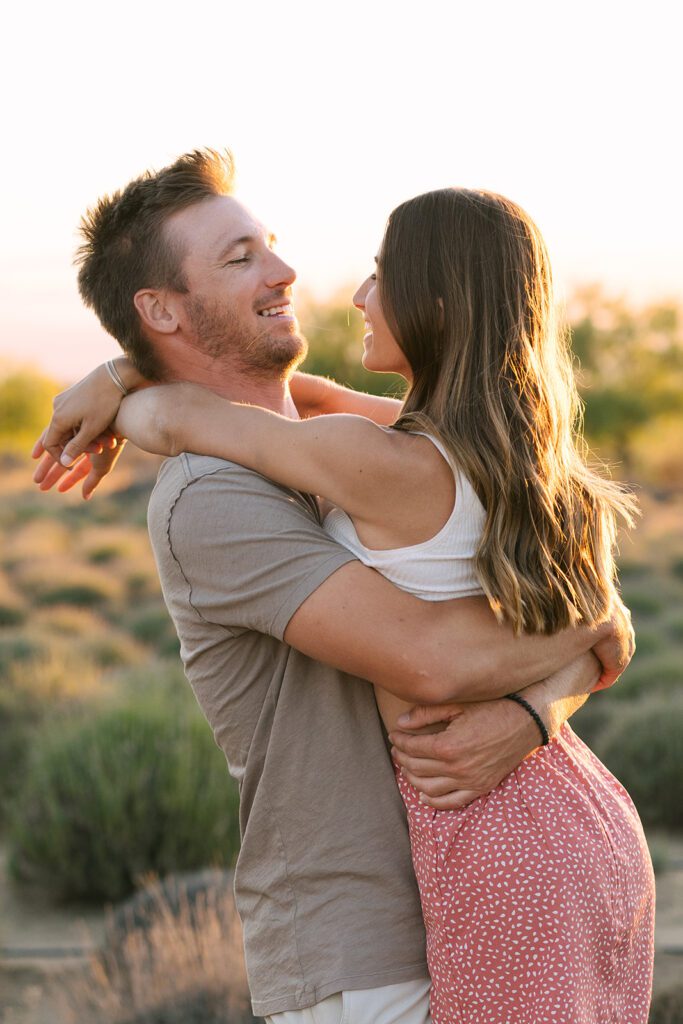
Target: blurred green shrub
[
  {"x": 49, "y": 682},
  {"x": 25, "y": 407},
  {"x": 11, "y": 615},
  {"x": 150, "y": 625},
  {"x": 642, "y": 601},
  {"x": 105, "y": 554},
  {"x": 113, "y": 650},
  {"x": 19, "y": 647},
  {"x": 334, "y": 331},
  {"x": 643, "y": 747},
  {"x": 140, "y": 585},
  {"x": 138, "y": 789},
  {"x": 648, "y": 642},
  {"x": 675, "y": 629},
  {"x": 593, "y": 718},
  {"x": 651, "y": 674},
  {"x": 667, "y": 1007},
  {"x": 633, "y": 570},
  {"x": 153, "y": 626},
  {"x": 81, "y": 595}
]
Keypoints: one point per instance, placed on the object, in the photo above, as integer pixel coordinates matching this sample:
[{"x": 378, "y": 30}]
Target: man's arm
[
  {"x": 429, "y": 652},
  {"x": 483, "y": 742}
]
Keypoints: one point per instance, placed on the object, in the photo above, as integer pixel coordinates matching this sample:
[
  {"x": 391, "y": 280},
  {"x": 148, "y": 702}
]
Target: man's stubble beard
[{"x": 221, "y": 336}]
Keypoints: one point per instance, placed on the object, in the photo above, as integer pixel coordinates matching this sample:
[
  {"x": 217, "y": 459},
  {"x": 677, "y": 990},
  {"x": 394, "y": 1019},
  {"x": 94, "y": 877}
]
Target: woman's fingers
[
  {"x": 101, "y": 465},
  {"x": 52, "y": 475},
  {"x": 91, "y": 467},
  {"x": 75, "y": 446},
  {"x": 46, "y": 463},
  {"x": 75, "y": 475},
  {"x": 48, "y": 472},
  {"x": 80, "y": 445},
  {"x": 38, "y": 448}
]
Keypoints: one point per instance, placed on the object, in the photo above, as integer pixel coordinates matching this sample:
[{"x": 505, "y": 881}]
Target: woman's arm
[
  {"x": 86, "y": 410},
  {"x": 83, "y": 413},
  {"x": 320, "y": 396},
  {"x": 348, "y": 459}
]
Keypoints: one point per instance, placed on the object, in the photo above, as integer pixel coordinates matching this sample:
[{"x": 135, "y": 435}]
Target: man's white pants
[{"x": 406, "y": 1003}]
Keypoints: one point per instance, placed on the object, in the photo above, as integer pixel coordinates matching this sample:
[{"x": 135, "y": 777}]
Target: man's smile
[{"x": 286, "y": 310}]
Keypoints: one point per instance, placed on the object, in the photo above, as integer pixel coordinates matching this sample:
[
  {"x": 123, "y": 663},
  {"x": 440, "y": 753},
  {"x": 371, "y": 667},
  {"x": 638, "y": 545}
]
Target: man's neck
[
  {"x": 270, "y": 394},
  {"x": 236, "y": 385}
]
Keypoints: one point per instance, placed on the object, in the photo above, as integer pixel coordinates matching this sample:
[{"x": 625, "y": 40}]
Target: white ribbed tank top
[{"x": 437, "y": 569}]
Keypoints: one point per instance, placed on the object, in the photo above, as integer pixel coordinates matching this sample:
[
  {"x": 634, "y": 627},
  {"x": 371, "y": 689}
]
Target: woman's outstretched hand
[
  {"x": 91, "y": 468},
  {"x": 81, "y": 418}
]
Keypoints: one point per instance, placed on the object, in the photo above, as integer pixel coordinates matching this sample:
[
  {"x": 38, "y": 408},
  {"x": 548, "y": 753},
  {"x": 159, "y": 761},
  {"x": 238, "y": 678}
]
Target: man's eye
[{"x": 241, "y": 259}]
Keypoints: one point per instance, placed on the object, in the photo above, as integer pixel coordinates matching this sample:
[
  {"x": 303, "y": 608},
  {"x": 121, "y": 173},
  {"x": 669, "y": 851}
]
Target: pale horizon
[{"x": 334, "y": 117}]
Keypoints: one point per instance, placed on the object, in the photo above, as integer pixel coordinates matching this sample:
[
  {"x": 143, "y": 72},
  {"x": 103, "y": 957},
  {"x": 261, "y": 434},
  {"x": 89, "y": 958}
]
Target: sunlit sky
[{"x": 335, "y": 113}]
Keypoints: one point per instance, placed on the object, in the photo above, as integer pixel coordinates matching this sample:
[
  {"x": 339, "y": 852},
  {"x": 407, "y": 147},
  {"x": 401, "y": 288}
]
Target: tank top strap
[{"x": 440, "y": 447}]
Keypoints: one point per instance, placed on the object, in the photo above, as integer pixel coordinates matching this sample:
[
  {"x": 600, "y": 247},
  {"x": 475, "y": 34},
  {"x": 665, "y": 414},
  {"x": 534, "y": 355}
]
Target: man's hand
[
  {"x": 616, "y": 648},
  {"x": 481, "y": 744}
]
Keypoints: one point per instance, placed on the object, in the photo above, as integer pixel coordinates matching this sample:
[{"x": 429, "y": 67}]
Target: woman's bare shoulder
[{"x": 414, "y": 490}]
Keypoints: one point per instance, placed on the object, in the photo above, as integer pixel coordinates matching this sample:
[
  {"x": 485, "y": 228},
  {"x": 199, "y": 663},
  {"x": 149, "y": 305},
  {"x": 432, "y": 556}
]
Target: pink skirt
[{"x": 538, "y": 898}]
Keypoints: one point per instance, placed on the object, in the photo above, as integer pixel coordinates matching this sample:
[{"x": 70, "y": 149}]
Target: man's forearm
[{"x": 559, "y": 696}]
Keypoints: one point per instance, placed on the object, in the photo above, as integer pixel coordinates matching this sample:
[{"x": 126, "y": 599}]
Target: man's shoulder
[
  {"x": 198, "y": 489},
  {"x": 202, "y": 473}
]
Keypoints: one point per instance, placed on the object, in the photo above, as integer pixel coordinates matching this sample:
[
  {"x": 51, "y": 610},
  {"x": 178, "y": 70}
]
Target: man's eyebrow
[{"x": 243, "y": 240}]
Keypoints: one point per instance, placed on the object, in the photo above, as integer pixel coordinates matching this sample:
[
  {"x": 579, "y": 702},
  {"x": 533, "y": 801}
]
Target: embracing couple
[{"x": 460, "y": 550}]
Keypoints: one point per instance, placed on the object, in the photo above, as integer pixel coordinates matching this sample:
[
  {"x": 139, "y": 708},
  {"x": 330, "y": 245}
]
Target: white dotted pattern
[{"x": 538, "y": 898}]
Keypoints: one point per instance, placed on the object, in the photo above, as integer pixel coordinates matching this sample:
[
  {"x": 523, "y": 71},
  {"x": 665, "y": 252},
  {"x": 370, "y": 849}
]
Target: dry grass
[
  {"x": 59, "y": 674},
  {"x": 186, "y": 967},
  {"x": 67, "y": 621}
]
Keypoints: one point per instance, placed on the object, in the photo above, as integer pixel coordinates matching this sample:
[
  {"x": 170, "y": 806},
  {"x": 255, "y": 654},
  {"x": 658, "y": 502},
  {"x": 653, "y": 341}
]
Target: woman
[{"x": 537, "y": 898}]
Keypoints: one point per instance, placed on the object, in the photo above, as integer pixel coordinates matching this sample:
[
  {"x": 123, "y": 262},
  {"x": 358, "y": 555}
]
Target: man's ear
[{"x": 155, "y": 310}]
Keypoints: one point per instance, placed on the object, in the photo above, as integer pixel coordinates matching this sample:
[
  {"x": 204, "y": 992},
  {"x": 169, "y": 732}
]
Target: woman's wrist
[{"x": 132, "y": 379}]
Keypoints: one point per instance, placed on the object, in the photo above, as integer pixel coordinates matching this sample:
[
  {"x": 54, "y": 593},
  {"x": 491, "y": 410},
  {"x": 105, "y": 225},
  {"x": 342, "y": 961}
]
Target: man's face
[{"x": 237, "y": 308}]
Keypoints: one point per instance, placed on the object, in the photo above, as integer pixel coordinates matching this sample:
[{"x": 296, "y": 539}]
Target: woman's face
[{"x": 381, "y": 351}]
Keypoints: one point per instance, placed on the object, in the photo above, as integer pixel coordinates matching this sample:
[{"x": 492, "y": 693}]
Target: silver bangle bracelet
[{"x": 116, "y": 377}]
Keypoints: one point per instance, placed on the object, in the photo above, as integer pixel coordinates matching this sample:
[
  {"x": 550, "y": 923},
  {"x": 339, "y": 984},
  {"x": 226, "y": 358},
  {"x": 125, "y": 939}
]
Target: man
[{"x": 280, "y": 627}]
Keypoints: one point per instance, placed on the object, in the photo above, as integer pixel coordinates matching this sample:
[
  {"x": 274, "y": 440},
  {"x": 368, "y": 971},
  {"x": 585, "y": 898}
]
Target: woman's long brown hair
[{"x": 466, "y": 287}]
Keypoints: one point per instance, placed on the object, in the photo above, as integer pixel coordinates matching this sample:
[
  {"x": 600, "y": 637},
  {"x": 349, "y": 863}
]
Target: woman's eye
[
  {"x": 241, "y": 259},
  {"x": 373, "y": 277}
]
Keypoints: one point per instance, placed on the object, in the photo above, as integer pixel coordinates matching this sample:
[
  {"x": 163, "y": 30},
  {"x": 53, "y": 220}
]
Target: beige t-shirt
[{"x": 324, "y": 882}]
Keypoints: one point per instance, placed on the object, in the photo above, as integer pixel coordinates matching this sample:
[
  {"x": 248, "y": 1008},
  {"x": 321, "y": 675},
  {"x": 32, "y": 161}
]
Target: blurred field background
[{"x": 108, "y": 774}]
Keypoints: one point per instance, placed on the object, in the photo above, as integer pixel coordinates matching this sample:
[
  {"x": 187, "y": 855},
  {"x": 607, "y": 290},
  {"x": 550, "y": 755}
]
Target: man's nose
[{"x": 280, "y": 274}]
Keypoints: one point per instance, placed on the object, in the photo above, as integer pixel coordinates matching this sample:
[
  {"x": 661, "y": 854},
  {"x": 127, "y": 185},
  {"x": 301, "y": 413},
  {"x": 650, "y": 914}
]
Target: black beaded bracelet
[{"x": 545, "y": 738}]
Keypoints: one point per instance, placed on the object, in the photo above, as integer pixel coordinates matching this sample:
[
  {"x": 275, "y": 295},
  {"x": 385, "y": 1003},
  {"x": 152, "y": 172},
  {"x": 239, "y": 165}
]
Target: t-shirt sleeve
[{"x": 250, "y": 551}]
